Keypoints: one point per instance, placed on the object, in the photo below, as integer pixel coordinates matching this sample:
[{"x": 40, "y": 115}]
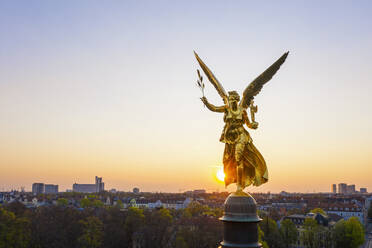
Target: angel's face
[{"x": 233, "y": 101}]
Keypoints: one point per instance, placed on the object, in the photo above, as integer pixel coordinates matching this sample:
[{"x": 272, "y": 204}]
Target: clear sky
[{"x": 108, "y": 88}]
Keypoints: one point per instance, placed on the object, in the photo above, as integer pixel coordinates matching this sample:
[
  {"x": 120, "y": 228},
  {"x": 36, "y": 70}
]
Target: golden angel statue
[{"x": 243, "y": 163}]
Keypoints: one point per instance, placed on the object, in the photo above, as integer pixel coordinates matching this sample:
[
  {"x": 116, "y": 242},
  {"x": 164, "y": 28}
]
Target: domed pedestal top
[
  {"x": 240, "y": 207},
  {"x": 240, "y": 221}
]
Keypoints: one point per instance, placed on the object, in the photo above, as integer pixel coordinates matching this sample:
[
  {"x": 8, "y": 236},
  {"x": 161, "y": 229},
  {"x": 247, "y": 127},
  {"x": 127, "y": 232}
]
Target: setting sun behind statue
[{"x": 220, "y": 175}]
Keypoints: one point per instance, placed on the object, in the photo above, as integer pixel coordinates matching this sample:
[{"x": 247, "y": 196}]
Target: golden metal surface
[
  {"x": 243, "y": 163},
  {"x": 240, "y": 193}
]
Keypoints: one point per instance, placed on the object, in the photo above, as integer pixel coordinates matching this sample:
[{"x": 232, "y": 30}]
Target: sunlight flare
[{"x": 220, "y": 175}]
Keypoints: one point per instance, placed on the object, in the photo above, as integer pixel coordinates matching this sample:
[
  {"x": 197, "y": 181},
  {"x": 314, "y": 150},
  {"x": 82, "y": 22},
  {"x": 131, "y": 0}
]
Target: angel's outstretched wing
[
  {"x": 256, "y": 85},
  {"x": 221, "y": 91}
]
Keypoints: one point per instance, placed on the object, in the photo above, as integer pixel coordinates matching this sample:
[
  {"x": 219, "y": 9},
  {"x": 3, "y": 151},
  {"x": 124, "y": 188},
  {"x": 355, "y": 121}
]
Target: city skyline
[
  {"x": 335, "y": 188},
  {"x": 106, "y": 89}
]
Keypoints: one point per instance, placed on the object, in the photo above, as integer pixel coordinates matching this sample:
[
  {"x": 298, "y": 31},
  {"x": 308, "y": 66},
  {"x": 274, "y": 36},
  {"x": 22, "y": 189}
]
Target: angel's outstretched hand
[
  {"x": 204, "y": 100},
  {"x": 254, "y": 125}
]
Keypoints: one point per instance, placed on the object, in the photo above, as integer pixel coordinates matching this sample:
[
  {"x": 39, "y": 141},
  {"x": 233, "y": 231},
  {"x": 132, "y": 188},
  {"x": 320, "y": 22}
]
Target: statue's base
[{"x": 240, "y": 221}]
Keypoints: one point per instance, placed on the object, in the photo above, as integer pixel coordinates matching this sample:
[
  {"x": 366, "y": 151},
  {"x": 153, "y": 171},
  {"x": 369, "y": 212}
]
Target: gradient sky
[{"x": 109, "y": 88}]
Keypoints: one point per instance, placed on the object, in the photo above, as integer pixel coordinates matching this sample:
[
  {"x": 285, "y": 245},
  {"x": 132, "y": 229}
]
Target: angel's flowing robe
[{"x": 239, "y": 148}]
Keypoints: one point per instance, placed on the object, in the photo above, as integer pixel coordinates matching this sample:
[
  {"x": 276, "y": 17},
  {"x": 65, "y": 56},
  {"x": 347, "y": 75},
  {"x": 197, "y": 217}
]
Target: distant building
[
  {"x": 299, "y": 221},
  {"x": 108, "y": 201},
  {"x": 288, "y": 205},
  {"x": 99, "y": 186},
  {"x": 368, "y": 202},
  {"x": 342, "y": 188},
  {"x": 84, "y": 188},
  {"x": 50, "y": 189},
  {"x": 363, "y": 190},
  {"x": 199, "y": 191},
  {"x": 283, "y": 193},
  {"x": 346, "y": 211},
  {"x": 38, "y": 188},
  {"x": 179, "y": 203},
  {"x": 136, "y": 190},
  {"x": 350, "y": 189},
  {"x": 334, "y": 191}
]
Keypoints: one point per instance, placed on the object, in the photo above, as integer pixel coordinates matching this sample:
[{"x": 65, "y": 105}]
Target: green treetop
[
  {"x": 349, "y": 233},
  {"x": 318, "y": 211}
]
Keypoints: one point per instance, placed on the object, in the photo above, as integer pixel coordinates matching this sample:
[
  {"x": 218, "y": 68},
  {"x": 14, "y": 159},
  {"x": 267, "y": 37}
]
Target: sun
[{"x": 220, "y": 175}]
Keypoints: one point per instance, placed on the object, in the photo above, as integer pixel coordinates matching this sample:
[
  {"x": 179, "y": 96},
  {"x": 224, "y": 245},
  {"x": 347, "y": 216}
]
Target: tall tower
[
  {"x": 334, "y": 190},
  {"x": 100, "y": 186},
  {"x": 350, "y": 189},
  {"x": 342, "y": 188},
  {"x": 38, "y": 188}
]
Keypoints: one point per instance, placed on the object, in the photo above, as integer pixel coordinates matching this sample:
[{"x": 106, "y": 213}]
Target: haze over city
[{"x": 110, "y": 90}]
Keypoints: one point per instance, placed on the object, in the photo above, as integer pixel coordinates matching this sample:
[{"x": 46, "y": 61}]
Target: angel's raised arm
[
  {"x": 221, "y": 91},
  {"x": 211, "y": 107}
]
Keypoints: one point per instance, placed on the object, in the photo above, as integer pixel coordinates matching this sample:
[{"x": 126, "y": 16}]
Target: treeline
[
  {"x": 345, "y": 234},
  {"x": 61, "y": 226},
  {"x": 197, "y": 226}
]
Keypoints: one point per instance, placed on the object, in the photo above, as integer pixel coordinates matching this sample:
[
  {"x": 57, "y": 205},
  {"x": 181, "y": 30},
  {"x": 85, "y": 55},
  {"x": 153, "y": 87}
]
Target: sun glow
[{"x": 220, "y": 175}]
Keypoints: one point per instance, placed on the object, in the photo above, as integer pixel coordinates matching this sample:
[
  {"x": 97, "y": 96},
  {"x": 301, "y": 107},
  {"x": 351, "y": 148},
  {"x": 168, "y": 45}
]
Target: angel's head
[{"x": 234, "y": 99}]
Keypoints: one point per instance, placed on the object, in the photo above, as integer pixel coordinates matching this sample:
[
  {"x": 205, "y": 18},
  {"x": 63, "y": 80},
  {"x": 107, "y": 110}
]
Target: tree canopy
[
  {"x": 196, "y": 226},
  {"x": 318, "y": 211},
  {"x": 271, "y": 233},
  {"x": 288, "y": 232},
  {"x": 92, "y": 233},
  {"x": 349, "y": 233},
  {"x": 14, "y": 231}
]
